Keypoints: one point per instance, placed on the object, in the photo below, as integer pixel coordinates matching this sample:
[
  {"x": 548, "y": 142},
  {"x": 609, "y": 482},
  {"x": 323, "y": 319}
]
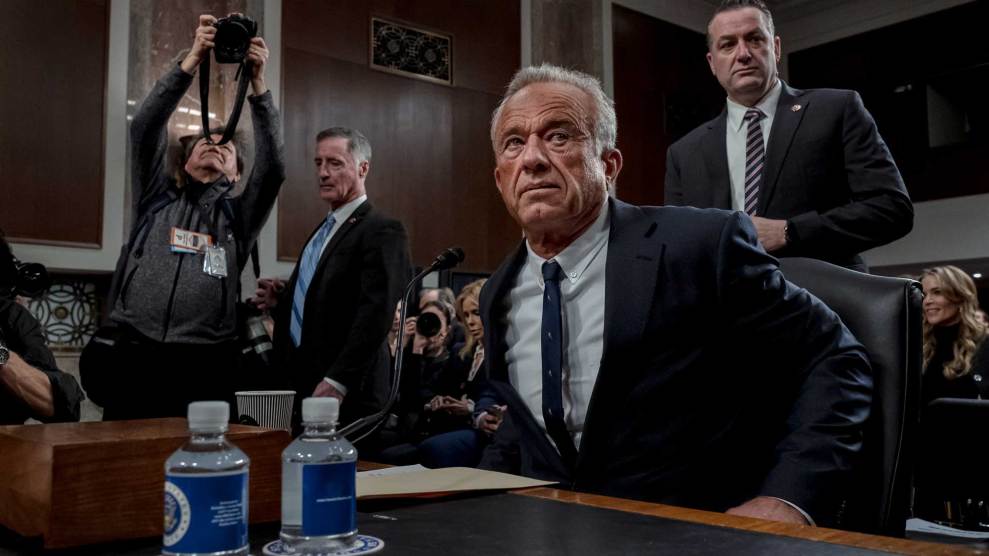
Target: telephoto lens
[{"x": 428, "y": 325}]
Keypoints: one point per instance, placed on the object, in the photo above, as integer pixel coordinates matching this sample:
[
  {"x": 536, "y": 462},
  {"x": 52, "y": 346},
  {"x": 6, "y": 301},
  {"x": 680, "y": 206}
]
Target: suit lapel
[
  {"x": 344, "y": 228},
  {"x": 715, "y": 149},
  {"x": 785, "y": 124},
  {"x": 492, "y": 299},
  {"x": 631, "y": 273}
]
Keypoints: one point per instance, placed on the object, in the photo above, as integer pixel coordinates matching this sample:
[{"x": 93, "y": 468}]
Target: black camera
[
  {"x": 428, "y": 325},
  {"x": 29, "y": 280},
  {"x": 233, "y": 38}
]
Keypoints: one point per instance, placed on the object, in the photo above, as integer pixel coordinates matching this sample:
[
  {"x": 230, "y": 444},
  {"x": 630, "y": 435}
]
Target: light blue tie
[{"x": 307, "y": 267}]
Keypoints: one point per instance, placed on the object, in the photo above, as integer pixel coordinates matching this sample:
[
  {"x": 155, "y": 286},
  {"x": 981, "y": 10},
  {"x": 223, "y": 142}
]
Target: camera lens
[
  {"x": 32, "y": 279},
  {"x": 428, "y": 325}
]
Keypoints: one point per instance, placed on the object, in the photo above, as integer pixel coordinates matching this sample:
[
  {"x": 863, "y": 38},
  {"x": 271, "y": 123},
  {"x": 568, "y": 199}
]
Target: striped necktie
[
  {"x": 307, "y": 267},
  {"x": 755, "y": 159}
]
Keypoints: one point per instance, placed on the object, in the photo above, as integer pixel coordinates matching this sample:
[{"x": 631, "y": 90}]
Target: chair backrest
[{"x": 885, "y": 315}]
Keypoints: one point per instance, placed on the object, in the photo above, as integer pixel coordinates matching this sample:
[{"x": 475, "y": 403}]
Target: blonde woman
[{"x": 954, "y": 363}]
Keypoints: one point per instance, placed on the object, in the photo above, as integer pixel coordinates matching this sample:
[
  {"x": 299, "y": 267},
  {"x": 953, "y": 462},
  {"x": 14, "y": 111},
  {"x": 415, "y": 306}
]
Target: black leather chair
[{"x": 885, "y": 315}]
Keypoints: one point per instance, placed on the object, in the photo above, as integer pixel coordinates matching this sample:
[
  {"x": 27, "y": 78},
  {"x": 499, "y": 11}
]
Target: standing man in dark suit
[
  {"x": 808, "y": 166},
  {"x": 332, "y": 318},
  {"x": 654, "y": 353}
]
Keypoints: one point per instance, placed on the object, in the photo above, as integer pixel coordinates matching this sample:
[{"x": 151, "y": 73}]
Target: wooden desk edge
[{"x": 806, "y": 532}]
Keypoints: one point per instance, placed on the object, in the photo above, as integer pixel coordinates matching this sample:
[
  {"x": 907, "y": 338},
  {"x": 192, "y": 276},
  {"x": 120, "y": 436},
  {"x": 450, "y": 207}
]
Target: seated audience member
[
  {"x": 396, "y": 321},
  {"x": 30, "y": 383},
  {"x": 473, "y": 414},
  {"x": 176, "y": 314},
  {"x": 956, "y": 365},
  {"x": 445, "y": 295},
  {"x": 654, "y": 353},
  {"x": 955, "y": 358},
  {"x": 422, "y": 364}
]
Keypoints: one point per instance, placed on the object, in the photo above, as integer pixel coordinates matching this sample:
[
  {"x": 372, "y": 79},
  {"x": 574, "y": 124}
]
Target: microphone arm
[{"x": 447, "y": 259}]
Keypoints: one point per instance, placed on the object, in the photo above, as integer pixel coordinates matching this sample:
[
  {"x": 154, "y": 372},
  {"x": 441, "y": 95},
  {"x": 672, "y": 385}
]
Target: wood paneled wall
[
  {"x": 52, "y": 80},
  {"x": 663, "y": 89},
  {"x": 432, "y": 164}
]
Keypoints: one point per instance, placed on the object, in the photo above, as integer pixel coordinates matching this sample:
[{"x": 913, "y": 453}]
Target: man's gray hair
[
  {"x": 357, "y": 145},
  {"x": 603, "y": 121}
]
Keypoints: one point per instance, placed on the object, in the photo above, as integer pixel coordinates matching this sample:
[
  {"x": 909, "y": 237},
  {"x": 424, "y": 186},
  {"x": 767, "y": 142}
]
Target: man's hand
[
  {"x": 325, "y": 389},
  {"x": 772, "y": 234},
  {"x": 490, "y": 419},
  {"x": 766, "y": 507},
  {"x": 201, "y": 45},
  {"x": 257, "y": 54},
  {"x": 455, "y": 406},
  {"x": 266, "y": 296},
  {"x": 28, "y": 384}
]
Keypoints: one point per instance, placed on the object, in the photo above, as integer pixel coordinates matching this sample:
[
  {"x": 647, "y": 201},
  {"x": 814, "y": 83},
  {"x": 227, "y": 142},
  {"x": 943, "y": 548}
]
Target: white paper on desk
[
  {"x": 397, "y": 470},
  {"x": 416, "y": 480},
  {"x": 918, "y": 525}
]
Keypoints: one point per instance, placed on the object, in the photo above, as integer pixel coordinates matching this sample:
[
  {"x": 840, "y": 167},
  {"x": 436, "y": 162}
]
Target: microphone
[{"x": 449, "y": 258}]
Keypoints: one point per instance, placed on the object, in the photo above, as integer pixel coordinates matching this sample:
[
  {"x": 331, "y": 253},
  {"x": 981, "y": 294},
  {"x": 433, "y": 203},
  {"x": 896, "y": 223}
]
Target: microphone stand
[{"x": 376, "y": 419}]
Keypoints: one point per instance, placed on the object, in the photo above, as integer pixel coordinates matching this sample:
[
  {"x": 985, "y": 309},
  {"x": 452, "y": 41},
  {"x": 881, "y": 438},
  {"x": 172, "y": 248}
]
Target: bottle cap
[
  {"x": 320, "y": 410},
  {"x": 207, "y": 415}
]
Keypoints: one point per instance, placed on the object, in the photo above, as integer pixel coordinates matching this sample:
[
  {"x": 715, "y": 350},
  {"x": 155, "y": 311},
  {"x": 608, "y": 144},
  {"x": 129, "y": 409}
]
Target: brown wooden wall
[
  {"x": 432, "y": 165},
  {"x": 52, "y": 80},
  {"x": 663, "y": 89}
]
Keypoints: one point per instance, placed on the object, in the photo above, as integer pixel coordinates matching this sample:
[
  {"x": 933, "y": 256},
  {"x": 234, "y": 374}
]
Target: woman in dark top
[
  {"x": 464, "y": 408},
  {"x": 954, "y": 362},
  {"x": 956, "y": 365}
]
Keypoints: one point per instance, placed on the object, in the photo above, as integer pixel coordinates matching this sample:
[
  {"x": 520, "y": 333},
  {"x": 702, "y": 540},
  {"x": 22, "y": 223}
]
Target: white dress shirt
[
  {"x": 736, "y": 136},
  {"x": 340, "y": 215},
  {"x": 582, "y": 300}
]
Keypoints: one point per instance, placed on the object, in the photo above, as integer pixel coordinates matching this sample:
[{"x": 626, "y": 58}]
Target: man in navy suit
[
  {"x": 333, "y": 316},
  {"x": 809, "y": 166},
  {"x": 654, "y": 353}
]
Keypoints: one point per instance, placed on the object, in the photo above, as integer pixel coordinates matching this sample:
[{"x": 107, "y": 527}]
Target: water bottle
[
  {"x": 206, "y": 488},
  {"x": 319, "y": 476}
]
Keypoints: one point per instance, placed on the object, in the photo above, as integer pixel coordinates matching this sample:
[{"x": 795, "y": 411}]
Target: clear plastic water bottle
[
  {"x": 319, "y": 476},
  {"x": 206, "y": 488}
]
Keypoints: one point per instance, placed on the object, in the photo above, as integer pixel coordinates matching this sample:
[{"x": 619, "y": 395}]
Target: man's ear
[
  {"x": 363, "y": 169},
  {"x": 612, "y": 165}
]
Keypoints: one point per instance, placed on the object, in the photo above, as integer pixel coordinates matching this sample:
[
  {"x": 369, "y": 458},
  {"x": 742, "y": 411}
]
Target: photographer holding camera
[
  {"x": 424, "y": 367},
  {"x": 177, "y": 280},
  {"x": 30, "y": 383}
]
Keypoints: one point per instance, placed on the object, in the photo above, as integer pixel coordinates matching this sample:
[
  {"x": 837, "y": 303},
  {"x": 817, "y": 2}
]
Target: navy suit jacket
[
  {"x": 828, "y": 172},
  {"x": 348, "y": 311},
  {"x": 719, "y": 380}
]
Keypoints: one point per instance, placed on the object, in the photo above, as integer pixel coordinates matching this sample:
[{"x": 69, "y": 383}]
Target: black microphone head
[{"x": 449, "y": 258}]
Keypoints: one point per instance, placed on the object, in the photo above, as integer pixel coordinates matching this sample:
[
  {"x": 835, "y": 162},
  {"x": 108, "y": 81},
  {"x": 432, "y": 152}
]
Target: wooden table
[{"x": 549, "y": 521}]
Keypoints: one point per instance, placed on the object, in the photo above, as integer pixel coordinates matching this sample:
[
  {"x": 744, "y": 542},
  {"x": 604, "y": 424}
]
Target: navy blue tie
[{"x": 552, "y": 344}]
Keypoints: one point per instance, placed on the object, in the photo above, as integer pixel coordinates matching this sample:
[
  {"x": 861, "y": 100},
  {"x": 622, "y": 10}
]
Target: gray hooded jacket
[{"x": 167, "y": 296}]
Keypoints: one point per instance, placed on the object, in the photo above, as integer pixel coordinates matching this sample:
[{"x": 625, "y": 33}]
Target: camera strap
[{"x": 242, "y": 82}]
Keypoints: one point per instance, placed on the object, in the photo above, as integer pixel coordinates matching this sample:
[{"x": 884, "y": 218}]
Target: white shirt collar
[
  {"x": 577, "y": 256},
  {"x": 343, "y": 213},
  {"x": 736, "y": 111}
]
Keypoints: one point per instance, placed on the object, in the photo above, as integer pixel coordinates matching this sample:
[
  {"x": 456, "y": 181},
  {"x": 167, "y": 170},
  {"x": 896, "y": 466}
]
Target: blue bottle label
[
  {"x": 329, "y": 501},
  {"x": 205, "y": 513}
]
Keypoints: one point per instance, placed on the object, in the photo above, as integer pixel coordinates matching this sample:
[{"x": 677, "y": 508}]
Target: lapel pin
[
  {"x": 352, "y": 220},
  {"x": 796, "y": 108}
]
